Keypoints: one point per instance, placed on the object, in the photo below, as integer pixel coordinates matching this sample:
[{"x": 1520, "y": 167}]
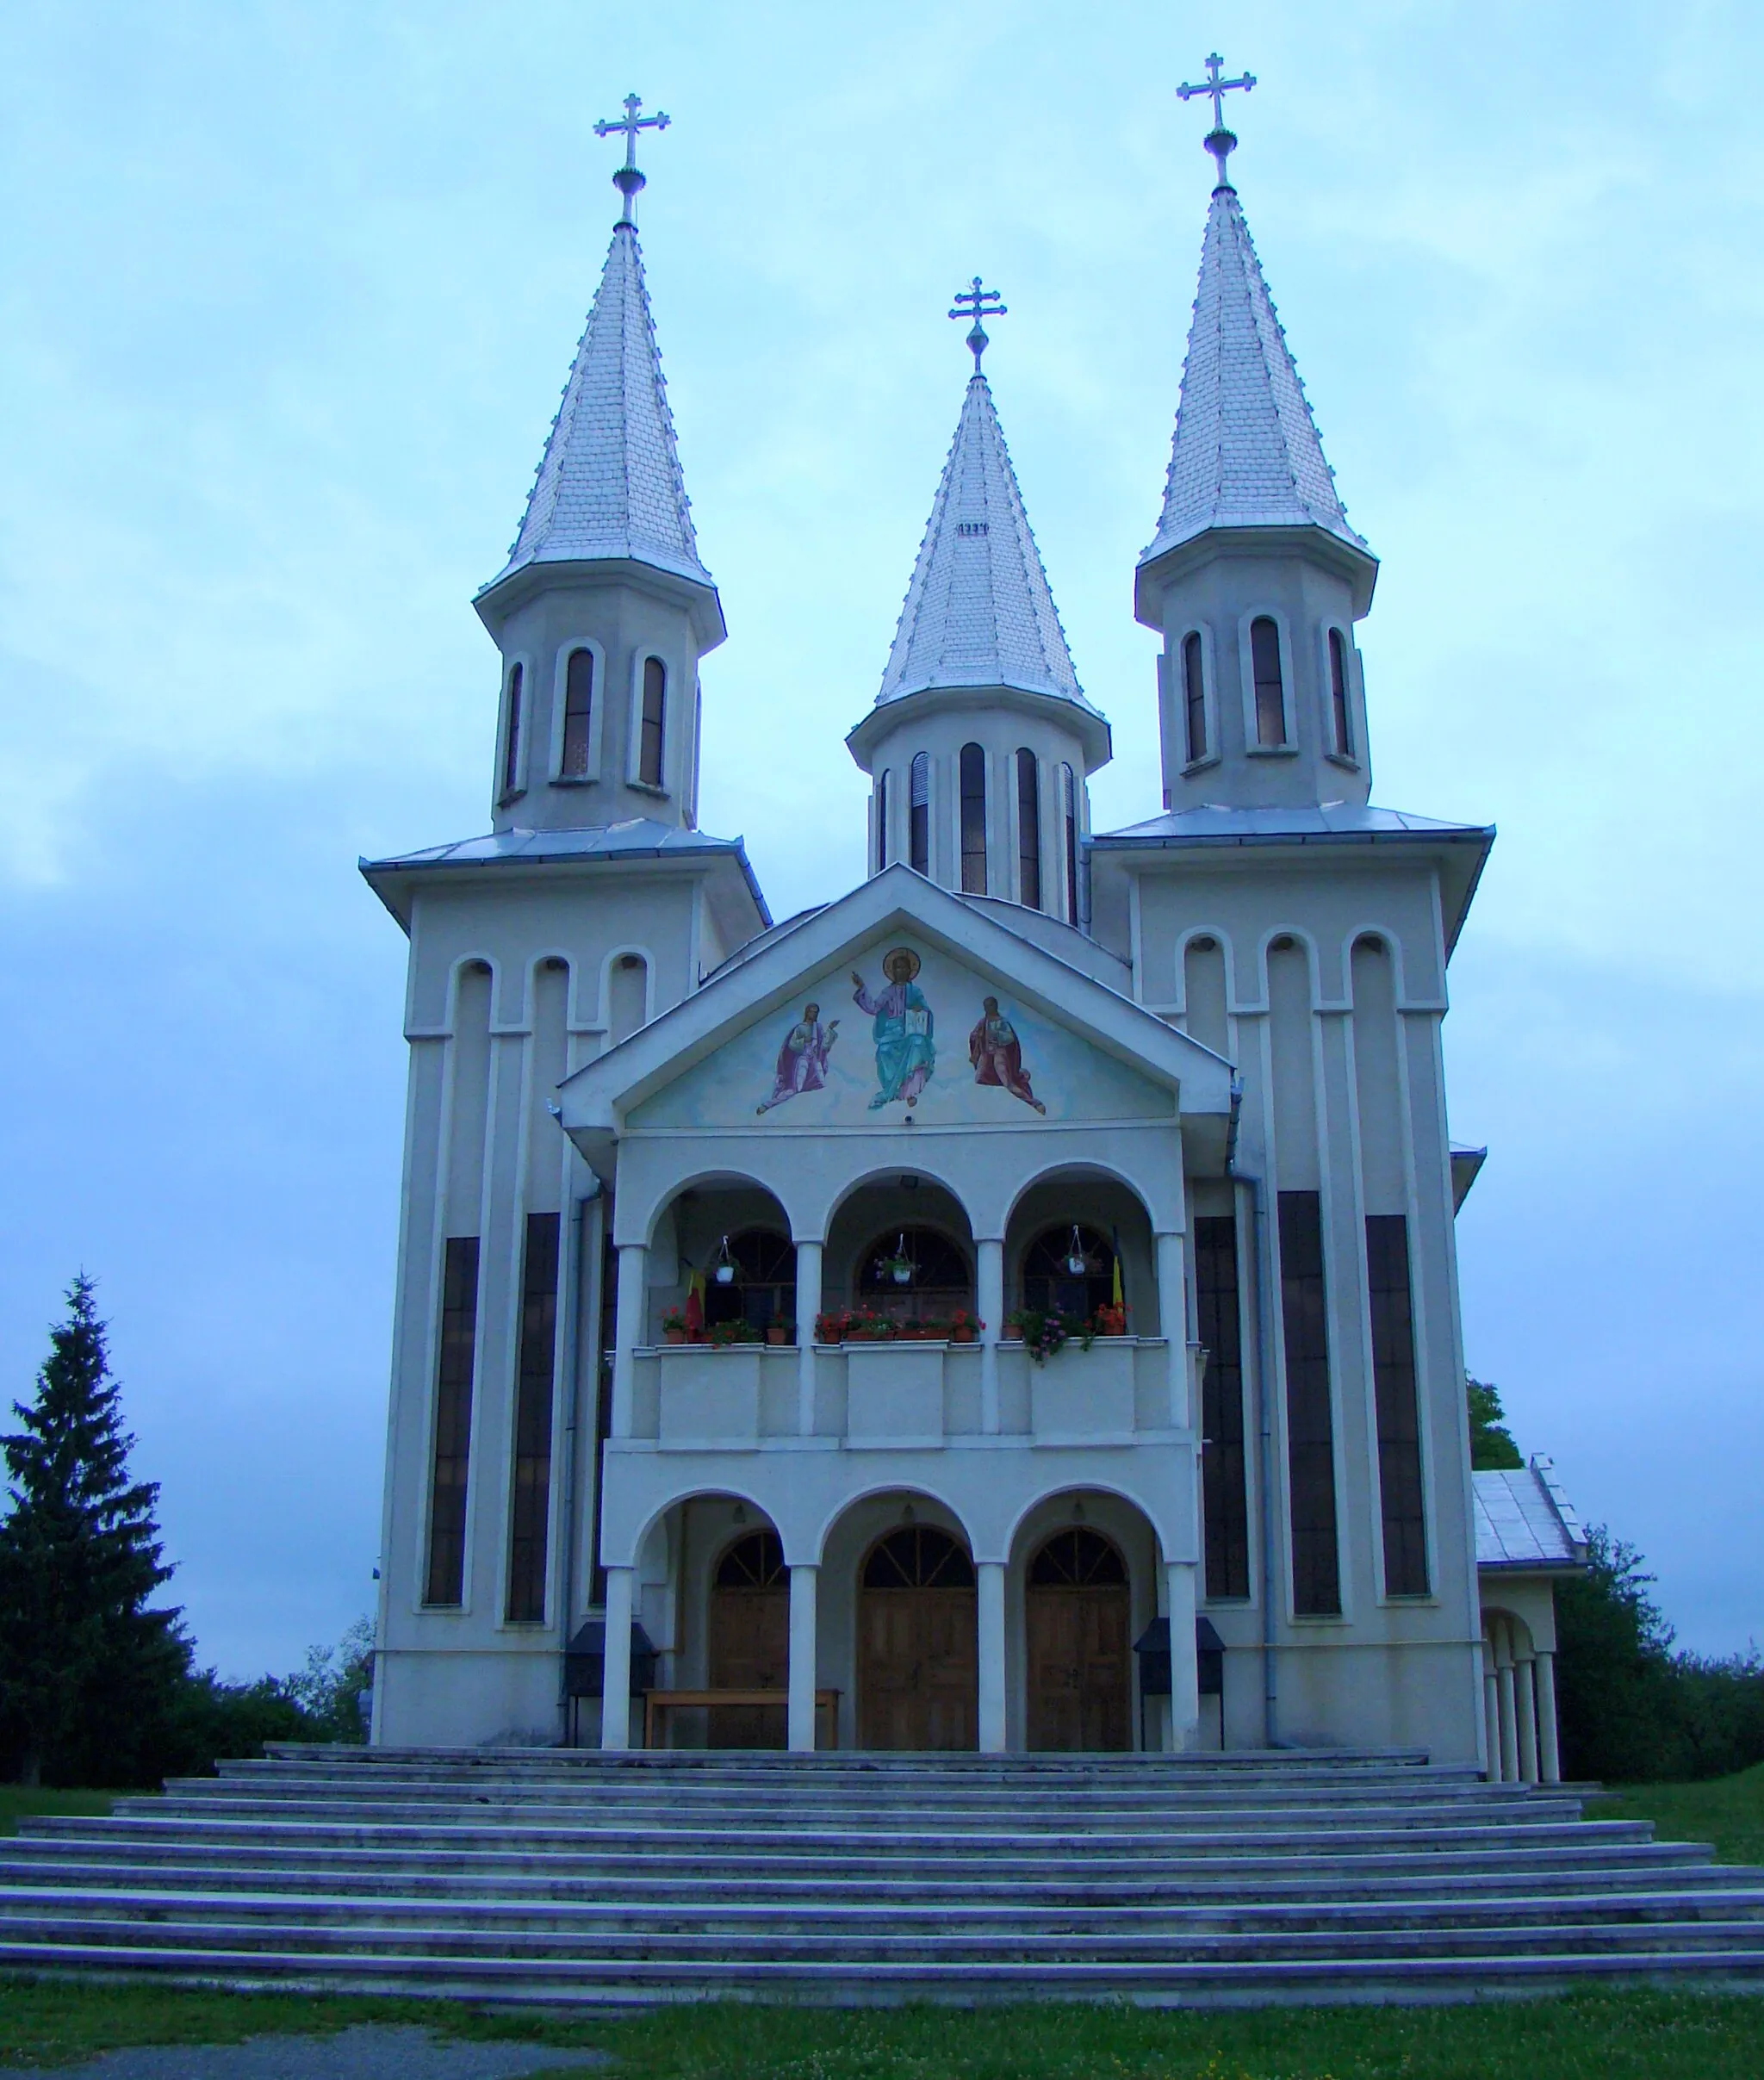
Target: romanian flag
[
  {"x": 1114, "y": 1299},
  {"x": 695, "y": 1306}
]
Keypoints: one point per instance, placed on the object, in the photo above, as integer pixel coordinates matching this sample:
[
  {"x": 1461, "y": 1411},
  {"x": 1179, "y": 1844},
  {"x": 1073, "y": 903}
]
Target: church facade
[{"x": 1014, "y": 1304}]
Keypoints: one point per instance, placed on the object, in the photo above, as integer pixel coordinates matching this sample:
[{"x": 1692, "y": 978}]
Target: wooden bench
[{"x": 658, "y": 1702}]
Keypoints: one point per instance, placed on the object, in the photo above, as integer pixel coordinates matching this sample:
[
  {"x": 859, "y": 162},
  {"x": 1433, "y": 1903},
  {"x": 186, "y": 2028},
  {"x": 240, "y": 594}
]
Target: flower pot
[
  {"x": 775, "y": 1335},
  {"x": 962, "y": 1336},
  {"x": 673, "y": 1335}
]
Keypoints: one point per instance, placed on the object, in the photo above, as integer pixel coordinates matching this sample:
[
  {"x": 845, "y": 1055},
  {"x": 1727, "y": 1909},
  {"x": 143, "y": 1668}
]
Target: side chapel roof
[
  {"x": 609, "y": 484},
  {"x": 979, "y": 611},
  {"x": 1246, "y": 452}
]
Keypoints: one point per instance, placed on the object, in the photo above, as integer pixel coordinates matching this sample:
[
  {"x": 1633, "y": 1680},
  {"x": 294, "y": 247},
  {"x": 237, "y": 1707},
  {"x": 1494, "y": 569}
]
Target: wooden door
[
  {"x": 1079, "y": 1625},
  {"x": 750, "y": 1641},
  {"x": 918, "y": 1671}
]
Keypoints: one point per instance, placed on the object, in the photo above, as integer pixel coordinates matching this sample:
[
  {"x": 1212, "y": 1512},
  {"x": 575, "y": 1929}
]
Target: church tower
[
  {"x": 604, "y": 607},
  {"x": 981, "y": 741},
  {"x": 1255, "y": 576}
]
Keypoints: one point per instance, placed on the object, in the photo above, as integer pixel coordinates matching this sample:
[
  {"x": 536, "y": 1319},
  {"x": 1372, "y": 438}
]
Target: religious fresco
[
  {"x": 793, "y": 1069},
  {"x": 905, "y": 1056},
  {"x": 802, "y": 1061},
  {"x": 996, "y": 1054}
]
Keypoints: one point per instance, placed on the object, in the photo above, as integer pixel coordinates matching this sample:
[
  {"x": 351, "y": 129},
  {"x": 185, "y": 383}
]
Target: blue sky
[{"x": 289, "y": 294}]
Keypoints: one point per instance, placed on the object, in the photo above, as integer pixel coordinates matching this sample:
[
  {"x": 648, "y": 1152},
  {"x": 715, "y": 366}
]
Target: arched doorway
[
  {"x": 750, "y": 1638},
  {"x": 1078, "y": 1623},
  {"x": 918, "y": 1679}
]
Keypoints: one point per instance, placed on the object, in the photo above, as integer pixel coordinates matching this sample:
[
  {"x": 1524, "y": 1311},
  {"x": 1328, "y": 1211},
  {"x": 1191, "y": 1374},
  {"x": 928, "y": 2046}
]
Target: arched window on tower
[
  {"x": 974, "y": 820},
  {"x": 1270, "y": 684},
  {"x": 511, "y": 742},
  {"x": 881, "y": 819},
  {"x": 578, "y": 714},
  {"x": 649, "y": 747},
  {"x": 919, "y": 816},
  {"x": 1194, "y": 697},
  {"x": 1069, "y": 831},
  {"x": 627, "y": 997},
  {"x": 1340, "y": 715},
  {"x": 1029, "y": 829}
]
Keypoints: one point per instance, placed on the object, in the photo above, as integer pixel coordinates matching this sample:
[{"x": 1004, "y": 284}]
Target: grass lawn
[
  {"x": 18, "y": 1803},
  {"x": 1634, "y": 2036},
  {"x": 1726, "y": 1810}
]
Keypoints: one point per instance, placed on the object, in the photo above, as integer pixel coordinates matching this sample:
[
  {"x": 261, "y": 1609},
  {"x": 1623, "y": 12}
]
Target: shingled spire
[
  {"x": 610, "y": 484},
  {"x": 979, "y": 611},
  {"x": 1246, "y": 452}
]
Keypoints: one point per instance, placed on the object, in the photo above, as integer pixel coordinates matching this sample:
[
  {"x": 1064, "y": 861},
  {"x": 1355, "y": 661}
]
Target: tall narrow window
[
  {"x": 1069, "y": 835},
  {"x": 529, "y": 1504},
  {"x": 578, "y": 712},
  {"x": 1340, "y": 717},
  {"x": 655, "y": 711},
  {"x": 881, "y": 819},
  {"x": 1398, "y": 1414},
  {"x": 453, "y": 1421},
  {"x": 1310, "y": 1428},
  {"x": 603, "y": 1410},
  {"x": 1224, "y": 1492},
  {"x": 511, "y": 746},
  {"x": 1270, "y": 686},
  {"x": 919, "y": 816},
  {"x": 974, "y": 820},
  {"x": 1194, "y": 697},
  {"x": 1029, "y": 829}
]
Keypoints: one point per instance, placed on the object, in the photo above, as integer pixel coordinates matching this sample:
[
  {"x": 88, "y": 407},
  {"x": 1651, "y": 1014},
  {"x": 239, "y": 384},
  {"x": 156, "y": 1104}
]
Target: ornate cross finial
[
  {"x": 1220, "y": 141},
  {"x": 627, "y": 179},
  {"x": 977, "y": 303}
]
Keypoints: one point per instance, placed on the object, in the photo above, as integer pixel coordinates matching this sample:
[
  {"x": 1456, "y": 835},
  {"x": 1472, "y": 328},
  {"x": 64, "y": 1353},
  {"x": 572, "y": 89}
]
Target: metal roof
[
  {"x": 1524, "y": 1520},
  {"x": 979, "y": 611},
  {"x": 1216, "y": 822},
  {"x": 609, "y": 484},
  {"x": 1246, "y": 452}
]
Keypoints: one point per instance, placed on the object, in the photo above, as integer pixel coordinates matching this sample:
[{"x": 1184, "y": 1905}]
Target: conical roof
[
  {"x": 609, "y": 482},
  {"x": 1246, "y": 452},
  {"x": 979, "y": 611}
]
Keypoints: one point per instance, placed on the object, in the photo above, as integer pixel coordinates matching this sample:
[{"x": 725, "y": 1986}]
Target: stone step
[{"x": 281, "y": 1754}]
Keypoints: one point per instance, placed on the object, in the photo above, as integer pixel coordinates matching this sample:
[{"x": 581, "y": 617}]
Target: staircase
[{"x": 573, "y": 1876}]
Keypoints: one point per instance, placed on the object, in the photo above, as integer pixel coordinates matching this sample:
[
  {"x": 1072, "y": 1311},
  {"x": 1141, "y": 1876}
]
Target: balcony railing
[{"x": 900, "y": 1394}]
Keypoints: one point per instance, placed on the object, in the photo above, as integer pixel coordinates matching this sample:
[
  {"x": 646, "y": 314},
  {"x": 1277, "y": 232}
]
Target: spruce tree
[{"x": 89, "y": 1674}]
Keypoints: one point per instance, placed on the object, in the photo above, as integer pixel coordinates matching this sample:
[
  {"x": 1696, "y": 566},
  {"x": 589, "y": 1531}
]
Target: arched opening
[
  {"x": 1194, "y": 698},
  {"x": 578, "y": 714},
  {"x": 1029, "y": 829},
  {"x": 918, "y": 1674},
  {"x": 1270, "y": 683},
  {"x": 1340, "y": 714},
  {"x": 881, "y": 819},
  {"x": 974, "y": 820},
  {"x": 913, "y": 1274},
  {"x": 919, "y": 816},
  {"x": 1078, "y": 1632},
  {"x": 1070, "y": 1270},
  {"x": 1069, "y": 820},
  {"x": 511, "y": 742},
  {"x": 749, "y": 1638},
  {"x": 650, "y": 745},
  {"x": 627, "y": 997},
  {"x": 762, "y": 1289}
]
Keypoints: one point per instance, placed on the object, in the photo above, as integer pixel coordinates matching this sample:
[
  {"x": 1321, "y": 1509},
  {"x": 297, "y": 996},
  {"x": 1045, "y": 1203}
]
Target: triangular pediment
[{"x": 922, "y": 1005}]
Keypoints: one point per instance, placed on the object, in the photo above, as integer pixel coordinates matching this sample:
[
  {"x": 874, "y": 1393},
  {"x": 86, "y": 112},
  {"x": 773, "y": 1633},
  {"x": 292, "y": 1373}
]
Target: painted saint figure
[
  {"x": 997, "y": 1055},
  {"x": 905, "y": 1054},
  {"x": 802, "y": 1061}
]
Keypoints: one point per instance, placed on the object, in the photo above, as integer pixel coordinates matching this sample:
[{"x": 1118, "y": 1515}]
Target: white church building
[{"x": 1013, "y": 1305}]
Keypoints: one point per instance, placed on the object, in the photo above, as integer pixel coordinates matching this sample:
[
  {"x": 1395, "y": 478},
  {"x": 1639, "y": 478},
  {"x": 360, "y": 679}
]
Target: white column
[
  {"x": 1184, "y": 1668},
  {"x": 1504, "y": 1700},
  {"x": 1491, "y": 1712},
  {"x": 991, "y": 1601},
  {"x": 1173, "y": 1324},
  {"x": 615, "y": 1692},
  {"x": 1548, "y": 1754},
  {"x": 989, "y": 1302},
  {"x": 1527, "y": 1703},
  {"x": 808, "y": 1306},
  {"x": 802, "y": 1660},
  {"x": 633, "y": 1306}
]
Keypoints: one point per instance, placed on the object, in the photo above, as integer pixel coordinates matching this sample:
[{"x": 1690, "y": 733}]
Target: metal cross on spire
[
  {"x": 1220, "y": 141},
  {"x": 977, "y": 303},
  {"x": 627, "y": 179}
]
